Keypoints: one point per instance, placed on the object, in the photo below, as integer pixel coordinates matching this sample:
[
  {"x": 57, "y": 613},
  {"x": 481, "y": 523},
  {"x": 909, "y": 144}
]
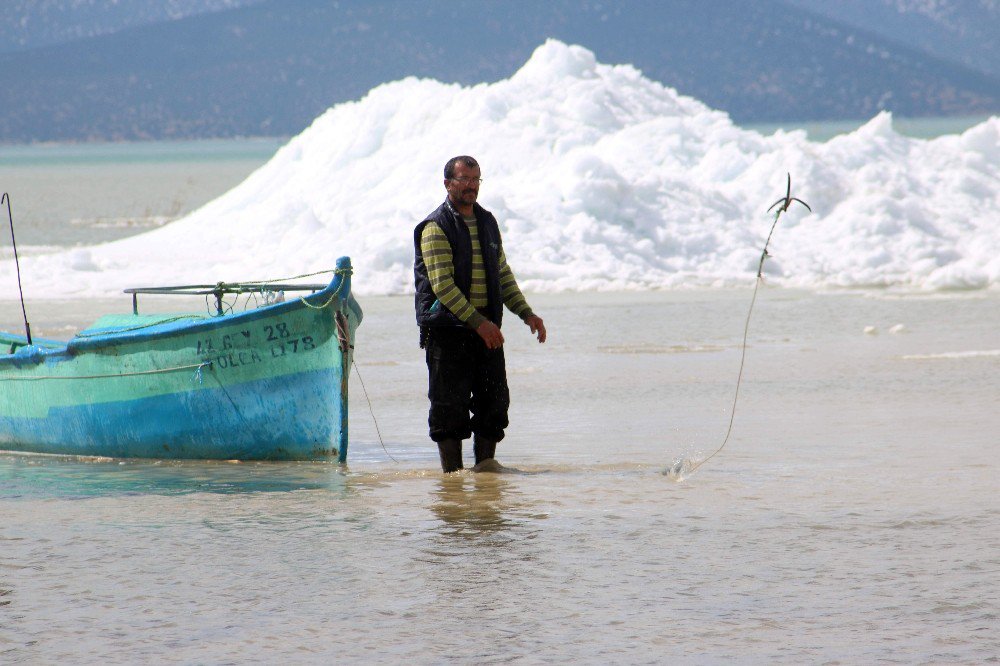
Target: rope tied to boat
[
  {"x": 371, "y": 410},
  {"x": 193, "y": 366},
  {"x": 333, "y": 271},
  {"x": 197, "y": 373},
  {"x": 344, "y": 272},
  {"x": 17, "y": 264}
]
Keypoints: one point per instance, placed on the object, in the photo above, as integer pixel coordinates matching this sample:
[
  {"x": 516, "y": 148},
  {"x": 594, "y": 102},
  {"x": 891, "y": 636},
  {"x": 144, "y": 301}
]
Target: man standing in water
[{"x": 463, "y": 282}]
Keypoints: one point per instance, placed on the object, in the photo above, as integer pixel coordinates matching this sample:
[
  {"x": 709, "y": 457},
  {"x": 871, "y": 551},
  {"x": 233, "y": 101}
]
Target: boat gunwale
[{"x": 170, "y": 329}]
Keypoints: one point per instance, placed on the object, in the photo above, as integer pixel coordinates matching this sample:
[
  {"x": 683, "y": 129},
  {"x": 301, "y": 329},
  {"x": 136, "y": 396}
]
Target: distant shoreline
[
  {"x": 245, "y": 147},
  {"x": 917, "y": 128}
]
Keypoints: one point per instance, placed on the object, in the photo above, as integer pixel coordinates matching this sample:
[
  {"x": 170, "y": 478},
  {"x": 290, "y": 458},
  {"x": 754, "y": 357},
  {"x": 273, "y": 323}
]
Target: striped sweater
[{"x": 437, "y": 256}]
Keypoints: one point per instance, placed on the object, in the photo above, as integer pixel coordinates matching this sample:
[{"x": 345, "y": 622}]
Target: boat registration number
[{"x": 249, "y": 346}]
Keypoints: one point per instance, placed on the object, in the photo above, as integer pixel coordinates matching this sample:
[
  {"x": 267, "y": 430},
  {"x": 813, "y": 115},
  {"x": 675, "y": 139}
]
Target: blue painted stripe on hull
[{"x": 293, "y": 417}]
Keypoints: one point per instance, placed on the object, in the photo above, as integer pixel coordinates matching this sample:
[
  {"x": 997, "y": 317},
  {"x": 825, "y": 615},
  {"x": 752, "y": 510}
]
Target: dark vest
[{"x": 430, "y": 311}]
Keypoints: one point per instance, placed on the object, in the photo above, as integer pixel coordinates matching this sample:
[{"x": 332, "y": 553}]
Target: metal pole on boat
[{"x": 17, "y": 264}]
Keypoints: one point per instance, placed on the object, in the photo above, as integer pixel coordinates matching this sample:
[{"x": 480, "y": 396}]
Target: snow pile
[{"x": 601, "y": 179}]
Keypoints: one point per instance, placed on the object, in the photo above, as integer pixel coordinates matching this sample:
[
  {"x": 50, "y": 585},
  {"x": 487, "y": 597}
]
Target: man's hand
[
  {"x": 536, "y": 325},
  {"x": 490, "y": 334}
]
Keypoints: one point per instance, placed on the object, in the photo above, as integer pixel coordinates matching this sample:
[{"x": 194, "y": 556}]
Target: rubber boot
[
  {"x": 451, "y": 454},
  {"x": 483, "y": 448}
]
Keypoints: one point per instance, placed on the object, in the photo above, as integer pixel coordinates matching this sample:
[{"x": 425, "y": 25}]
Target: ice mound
[{"x": 601, "y": 178}]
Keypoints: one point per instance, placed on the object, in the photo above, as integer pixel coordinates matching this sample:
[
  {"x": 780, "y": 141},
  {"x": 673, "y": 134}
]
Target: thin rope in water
[
  {"x": 378, "y": 431},
  {"x": 782, "y": 204},
  {"x": 739, "y": 380}
]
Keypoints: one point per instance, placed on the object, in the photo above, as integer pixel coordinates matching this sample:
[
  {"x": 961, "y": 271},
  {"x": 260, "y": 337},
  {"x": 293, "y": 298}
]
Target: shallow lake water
[
  {"x": 82, "y": 194},
  {"x": 852, "y": 517}
]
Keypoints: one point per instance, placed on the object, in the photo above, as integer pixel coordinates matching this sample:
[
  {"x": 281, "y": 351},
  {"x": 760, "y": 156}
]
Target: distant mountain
[
  {"x": 966, "y": 32},
  {"x": 30, "y": 24},
  {"x": 269, "y": 67}
]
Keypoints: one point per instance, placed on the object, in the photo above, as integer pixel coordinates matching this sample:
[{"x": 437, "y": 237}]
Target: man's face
[{"x": 463, "y": 187}]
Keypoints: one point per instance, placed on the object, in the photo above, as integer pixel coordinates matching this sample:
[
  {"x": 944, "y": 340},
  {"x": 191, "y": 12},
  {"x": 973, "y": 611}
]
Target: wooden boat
[{"x": 268, "y": 383}]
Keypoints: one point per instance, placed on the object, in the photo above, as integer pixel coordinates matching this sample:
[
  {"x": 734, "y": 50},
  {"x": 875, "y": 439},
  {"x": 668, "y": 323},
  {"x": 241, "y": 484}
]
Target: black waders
[
  {"x": 451, "y": 454},
  {"x": 483, "y": 448}
]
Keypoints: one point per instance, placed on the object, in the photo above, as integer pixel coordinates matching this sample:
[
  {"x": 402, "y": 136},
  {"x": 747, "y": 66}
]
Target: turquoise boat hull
[{"x": 265, "y": 384}]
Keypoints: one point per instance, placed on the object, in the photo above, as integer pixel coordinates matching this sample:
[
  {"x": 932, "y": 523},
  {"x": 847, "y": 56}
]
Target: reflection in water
[
  {"x": 474, "y": 505},
  {"x": 484, "y": 540},
  {"x": 598, "y": 559},
  {"x": 33, "y": 476}
]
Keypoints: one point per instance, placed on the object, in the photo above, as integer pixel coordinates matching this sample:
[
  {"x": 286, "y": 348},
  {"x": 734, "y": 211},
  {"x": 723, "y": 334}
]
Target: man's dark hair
[{"x": 449, "y": 168}]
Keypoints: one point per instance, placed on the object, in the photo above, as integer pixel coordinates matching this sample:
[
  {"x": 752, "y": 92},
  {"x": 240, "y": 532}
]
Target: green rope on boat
[
  {"x": 339, "y": 271},
  {"x": 140, "y": 327},
  {"x": 335, "y": 271}
]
